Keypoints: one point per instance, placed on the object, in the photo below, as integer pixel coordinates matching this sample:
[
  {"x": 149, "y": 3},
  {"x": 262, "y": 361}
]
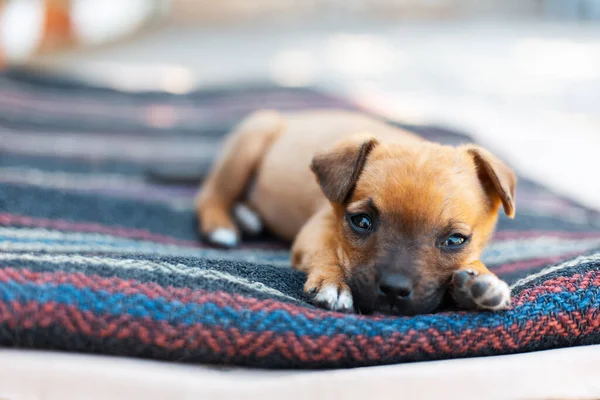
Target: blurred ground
[{"x": 530, "y": 90}]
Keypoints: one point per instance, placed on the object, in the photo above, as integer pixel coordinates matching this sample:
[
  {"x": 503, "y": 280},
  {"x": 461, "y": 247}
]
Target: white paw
[
  {"x": 331, "y": 297},
  {"x": 485, "y": 292},
  {"x": 223, "y": 237},
  {"x": 248, "y": 220}
]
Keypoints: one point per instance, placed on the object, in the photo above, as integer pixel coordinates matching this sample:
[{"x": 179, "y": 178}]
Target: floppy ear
[
  {"x": 338, "y": 169},
  {"x": 495, "y": 176}
]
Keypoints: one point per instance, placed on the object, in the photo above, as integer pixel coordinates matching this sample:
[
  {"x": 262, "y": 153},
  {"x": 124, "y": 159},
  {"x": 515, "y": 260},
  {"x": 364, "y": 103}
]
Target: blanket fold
[{"x": 97, "y": 257}]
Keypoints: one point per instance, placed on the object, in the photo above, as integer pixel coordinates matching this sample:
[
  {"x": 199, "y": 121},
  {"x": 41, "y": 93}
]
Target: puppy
[{"x": 391, "y": 223}]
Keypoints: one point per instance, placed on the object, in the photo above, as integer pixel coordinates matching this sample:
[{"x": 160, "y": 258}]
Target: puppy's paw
[
  {"x": 329, "y": 293},
  {"x": 480, "y": 291},
  {"x": 223, "y": 237},
  {"x": 215, "y": 224},
  {"x": 334, "y": 297},
  {"x": 247, "y": 219}
]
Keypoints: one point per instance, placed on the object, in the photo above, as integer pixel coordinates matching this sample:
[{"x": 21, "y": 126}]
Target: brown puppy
[{"x": 391, "y": 222}]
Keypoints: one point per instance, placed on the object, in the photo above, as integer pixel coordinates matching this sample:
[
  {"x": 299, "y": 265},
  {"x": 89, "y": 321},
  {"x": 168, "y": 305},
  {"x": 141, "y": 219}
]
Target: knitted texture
[{"x": 97, "y": 258}]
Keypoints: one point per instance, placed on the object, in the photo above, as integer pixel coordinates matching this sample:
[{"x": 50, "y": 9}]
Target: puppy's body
[
  {"x": 411, "y": 195},
  {"x": 285, "y": 192}
]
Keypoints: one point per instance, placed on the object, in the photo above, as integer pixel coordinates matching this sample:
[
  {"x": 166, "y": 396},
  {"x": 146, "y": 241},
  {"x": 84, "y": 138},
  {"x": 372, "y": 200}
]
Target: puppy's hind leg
[
  {"x": 247, "y": 219},
  {"x": 243, "y": 150}
]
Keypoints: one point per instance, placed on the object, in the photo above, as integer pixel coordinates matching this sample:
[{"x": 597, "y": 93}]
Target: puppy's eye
[
  {"x": 455, "y": 240},
  {"x": 361, "y": 223}
]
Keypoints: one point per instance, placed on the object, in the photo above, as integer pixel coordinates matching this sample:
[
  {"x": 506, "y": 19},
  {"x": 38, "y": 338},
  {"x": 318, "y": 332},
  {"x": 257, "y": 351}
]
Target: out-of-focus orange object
[
  {"x": 58, "y": 29},
  {"x": 31, "y": 27}
]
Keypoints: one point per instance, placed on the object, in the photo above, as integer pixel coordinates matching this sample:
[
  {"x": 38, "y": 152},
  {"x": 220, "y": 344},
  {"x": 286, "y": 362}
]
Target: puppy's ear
[
  {"x": 495, "y": 176},
  {"x": 338, "y": 169}
]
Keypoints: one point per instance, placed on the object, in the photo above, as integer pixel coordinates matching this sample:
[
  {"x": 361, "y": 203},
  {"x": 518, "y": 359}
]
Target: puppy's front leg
[
  {"x": 475, "y": 287},
  {"x": 315, "y": 252}
]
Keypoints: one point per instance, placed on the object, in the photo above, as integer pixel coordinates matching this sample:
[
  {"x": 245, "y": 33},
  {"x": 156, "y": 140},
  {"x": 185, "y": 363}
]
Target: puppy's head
[{"x": 408, "y": 216}]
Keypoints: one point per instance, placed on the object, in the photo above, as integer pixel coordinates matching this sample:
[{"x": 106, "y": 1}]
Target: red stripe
[
  {"x": 515, "y": 235},
  {"x": 90, "y": 227},
  {"x": 238, "y": 302},
  {"x": 560, "y": 284},
  {"x": 129, "y": 233},
  {"x": 534, "y": 263},
  {"x": 231, "y": 342}
]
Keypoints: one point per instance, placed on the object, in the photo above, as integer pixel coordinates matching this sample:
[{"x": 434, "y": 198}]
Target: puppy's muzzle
[
  {"x": 397, "y": 291},
  {"x": 395, "y": 286}
]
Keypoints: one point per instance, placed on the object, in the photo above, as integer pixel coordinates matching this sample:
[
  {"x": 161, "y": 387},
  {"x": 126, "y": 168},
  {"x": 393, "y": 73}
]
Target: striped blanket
[{"x": 97, "y": 257}]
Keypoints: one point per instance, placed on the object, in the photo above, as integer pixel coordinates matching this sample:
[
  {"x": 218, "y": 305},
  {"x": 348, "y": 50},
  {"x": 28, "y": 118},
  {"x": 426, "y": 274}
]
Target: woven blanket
[{"x": 97, "y": 257}]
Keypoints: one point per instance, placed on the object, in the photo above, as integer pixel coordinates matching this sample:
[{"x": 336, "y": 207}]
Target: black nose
[{"x": 395, "y": 285}]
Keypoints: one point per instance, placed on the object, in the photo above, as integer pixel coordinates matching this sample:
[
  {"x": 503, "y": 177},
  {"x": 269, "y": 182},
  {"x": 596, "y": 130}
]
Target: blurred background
[{"x": 522, "y": 76}]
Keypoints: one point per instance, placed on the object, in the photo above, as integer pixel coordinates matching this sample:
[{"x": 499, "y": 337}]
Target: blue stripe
[{"x": 280, "y": 321}]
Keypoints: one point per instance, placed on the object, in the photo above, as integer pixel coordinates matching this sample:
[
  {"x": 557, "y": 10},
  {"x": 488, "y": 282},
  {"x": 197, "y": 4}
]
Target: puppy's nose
[{"x": 395, "y": 285}]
